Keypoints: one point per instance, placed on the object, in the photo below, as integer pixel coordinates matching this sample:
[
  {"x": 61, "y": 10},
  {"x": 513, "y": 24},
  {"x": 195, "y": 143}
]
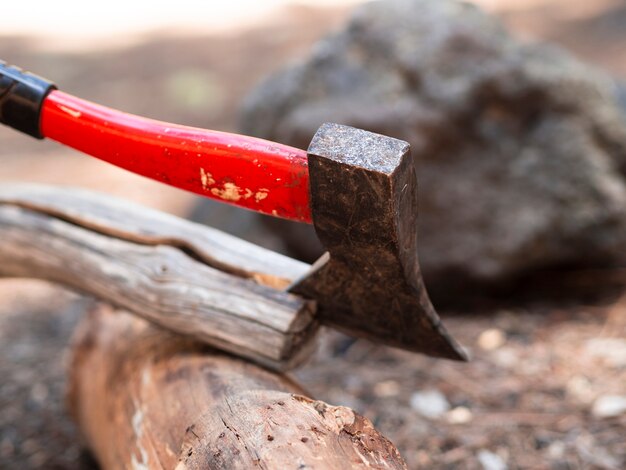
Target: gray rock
[{"x": 521, "y": 148}]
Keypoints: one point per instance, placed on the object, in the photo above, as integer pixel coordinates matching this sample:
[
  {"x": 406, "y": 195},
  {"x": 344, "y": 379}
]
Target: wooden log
[
  {"x": 147, "y": 399},
  {"x": 74, "y": 245}
]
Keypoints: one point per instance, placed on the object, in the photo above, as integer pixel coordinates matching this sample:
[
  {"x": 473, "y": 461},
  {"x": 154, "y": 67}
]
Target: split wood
[{"x": 185, "y": 277}]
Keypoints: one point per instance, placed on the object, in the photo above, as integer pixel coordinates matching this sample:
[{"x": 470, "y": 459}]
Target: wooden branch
[
  {"x": 147, "y": 399},
  {"x": 123, "y": 219},
  {"x": 139, "y": 271}
]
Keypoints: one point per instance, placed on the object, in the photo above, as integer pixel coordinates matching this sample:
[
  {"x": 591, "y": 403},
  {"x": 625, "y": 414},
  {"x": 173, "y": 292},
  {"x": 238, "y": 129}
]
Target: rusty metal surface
[{"x": 364, "y": 204}]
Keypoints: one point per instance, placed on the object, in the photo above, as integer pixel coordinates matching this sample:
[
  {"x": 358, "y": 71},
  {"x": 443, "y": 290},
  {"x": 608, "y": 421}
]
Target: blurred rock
[
  {"x": 491, "y": 461},
  {"x": 506, "y": 357},
  {"x": 609, "y": 406},
  {"x": 521, "y": 149},
  {"x": 556, "y": 450},
  {"x": 430, "y": 403},
  {"x": 459, "y": 415},
  {"x": 580, "y": 389},
  {"x": 491, "y": 339}
]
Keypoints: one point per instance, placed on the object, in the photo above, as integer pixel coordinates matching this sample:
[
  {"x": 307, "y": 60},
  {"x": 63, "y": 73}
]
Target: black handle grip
[{"x": 21, "y": 98}]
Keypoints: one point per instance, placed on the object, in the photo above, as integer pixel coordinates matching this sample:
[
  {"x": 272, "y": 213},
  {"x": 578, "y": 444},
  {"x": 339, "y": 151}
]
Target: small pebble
[
  {"x": 387, "y": 388},
  {"x": 459, "y": 415},
  {"x": 491, "y": 461},
  {"x": 430, "y": 403},
  {"x": 506, "y": 357},
  {"x": 579, "y": 388},
  {"x": 609, "y": 406},
  {"x": 491, "y": 339},
  {"x": 556, "y": 450}
]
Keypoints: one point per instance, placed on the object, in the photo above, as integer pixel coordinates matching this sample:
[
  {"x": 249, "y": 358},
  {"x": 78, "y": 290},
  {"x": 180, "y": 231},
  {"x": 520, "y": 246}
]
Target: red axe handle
[{"x": 257, "y": 174}]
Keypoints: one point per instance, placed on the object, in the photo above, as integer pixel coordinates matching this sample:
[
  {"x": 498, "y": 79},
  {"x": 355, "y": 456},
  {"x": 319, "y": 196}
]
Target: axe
[{"x": 357, "y": 188}]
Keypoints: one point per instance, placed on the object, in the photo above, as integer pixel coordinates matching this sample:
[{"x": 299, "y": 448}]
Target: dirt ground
[{"x": 544, "y": 373}]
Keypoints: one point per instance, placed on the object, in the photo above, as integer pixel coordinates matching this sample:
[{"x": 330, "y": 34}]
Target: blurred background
[{"x": 537, "y": 299}]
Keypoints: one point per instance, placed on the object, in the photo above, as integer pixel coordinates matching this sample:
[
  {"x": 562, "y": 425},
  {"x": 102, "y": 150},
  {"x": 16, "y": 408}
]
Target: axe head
[{"x": 364, "y": 205}]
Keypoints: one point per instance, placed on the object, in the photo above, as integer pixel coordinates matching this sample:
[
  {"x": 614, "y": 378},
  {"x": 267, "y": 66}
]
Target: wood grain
[
  {"x": 133, "y": 222},
  {"x": 161, "y": 282},
  {"x": 146, "y": 399}
]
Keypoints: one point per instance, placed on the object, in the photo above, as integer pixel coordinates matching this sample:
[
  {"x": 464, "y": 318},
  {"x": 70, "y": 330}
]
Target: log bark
[
  {"x": 148, "y": 399},
  {"x": 188, "y": 278}
]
